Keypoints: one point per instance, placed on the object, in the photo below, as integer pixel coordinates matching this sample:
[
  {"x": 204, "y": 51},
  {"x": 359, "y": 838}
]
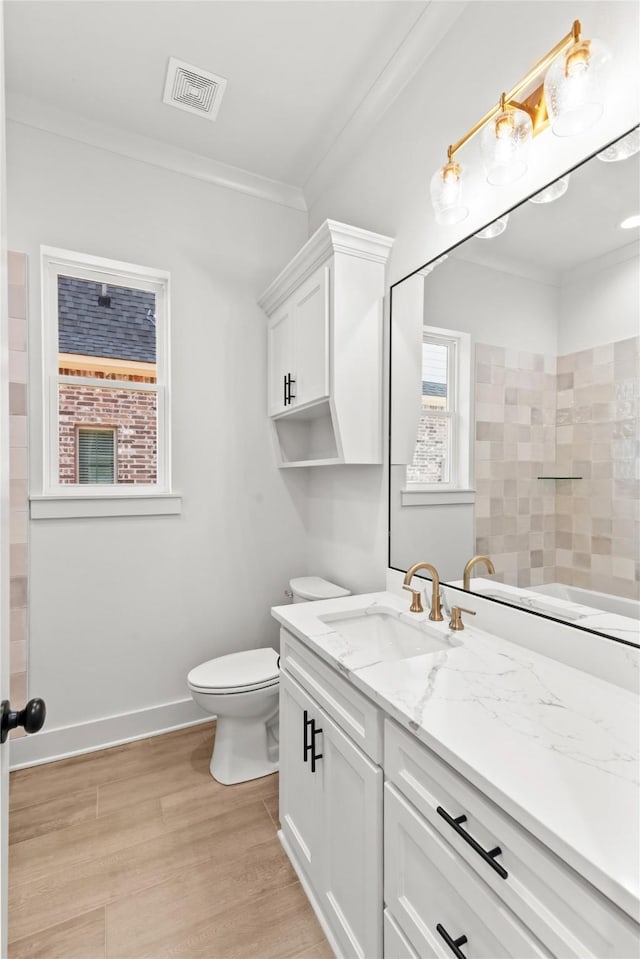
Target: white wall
[
  {"x": 601, "y": 303},
  {"x": 121, "y": 609},
  {"x": 385, "y": 187}
]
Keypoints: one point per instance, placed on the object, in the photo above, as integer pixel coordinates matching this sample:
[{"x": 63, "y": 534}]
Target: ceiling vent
[{"x": 192, "y": 89}]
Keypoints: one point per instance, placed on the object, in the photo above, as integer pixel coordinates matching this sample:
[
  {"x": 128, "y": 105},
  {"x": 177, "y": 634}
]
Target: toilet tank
[{"x": 307, "y": 588}]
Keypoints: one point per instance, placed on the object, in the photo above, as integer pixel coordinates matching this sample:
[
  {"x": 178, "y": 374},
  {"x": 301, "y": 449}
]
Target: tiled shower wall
[
  {"x": 580, "y": 420},
  {"x": 515, "y": 437},
  {"x": 598, "y": 517},
  {"x": 19, "y": 505}
]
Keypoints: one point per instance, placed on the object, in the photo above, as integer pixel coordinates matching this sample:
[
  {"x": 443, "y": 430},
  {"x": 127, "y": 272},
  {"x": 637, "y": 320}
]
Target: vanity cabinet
[
  {"x": 330, "y": 804},
  {"x": 456, "y": 860},
  {"x": 324, "y": 349}
]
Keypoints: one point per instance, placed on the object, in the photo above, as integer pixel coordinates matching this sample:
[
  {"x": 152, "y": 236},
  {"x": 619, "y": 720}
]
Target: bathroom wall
[
  {"x": 385, "y": 187},
  {"x": 121, "y": 608}
]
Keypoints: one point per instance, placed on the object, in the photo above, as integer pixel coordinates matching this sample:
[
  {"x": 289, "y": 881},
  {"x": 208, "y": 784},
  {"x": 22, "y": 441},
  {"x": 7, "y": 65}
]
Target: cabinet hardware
[
  {"x": 284, "y": 399},
  {"x": 454, "y": 944},
  {"x": 487, "y": 856},
  {"x": 290, "y": 382},
  {"x": 314, "y": 756},
  {"x": 307, "y": 747}
]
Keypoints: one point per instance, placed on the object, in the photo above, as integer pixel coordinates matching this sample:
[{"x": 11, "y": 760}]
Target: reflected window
[{"x": 441, "y": 455}]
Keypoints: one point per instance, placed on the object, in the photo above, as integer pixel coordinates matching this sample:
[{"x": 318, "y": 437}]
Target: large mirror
[{"x": 514, "y": 404}]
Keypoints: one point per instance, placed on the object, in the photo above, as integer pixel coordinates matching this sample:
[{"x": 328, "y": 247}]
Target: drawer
[
  {"x": 396, "y": 946},
  {"x": 440, "y": 905},
  {"x": 559, "y": 906},
  {"x": 356, "y": 715}
]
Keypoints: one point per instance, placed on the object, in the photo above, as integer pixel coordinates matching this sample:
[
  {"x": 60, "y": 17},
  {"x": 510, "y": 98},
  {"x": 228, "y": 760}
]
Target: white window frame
[
  {"x": 56, "y": 262},
  {"x": 458, "y": 411}
]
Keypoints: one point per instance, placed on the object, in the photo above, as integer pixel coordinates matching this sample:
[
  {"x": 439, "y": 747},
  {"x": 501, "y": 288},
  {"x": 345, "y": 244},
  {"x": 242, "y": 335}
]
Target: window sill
[
  {"x": 132, "y": 504},
  {"x": 436, "y": 497}
]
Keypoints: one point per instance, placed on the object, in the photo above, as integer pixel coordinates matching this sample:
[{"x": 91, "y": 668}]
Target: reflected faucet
[
  {"x": 416, "y": 605},
  {"x": 466, "y": 576}
]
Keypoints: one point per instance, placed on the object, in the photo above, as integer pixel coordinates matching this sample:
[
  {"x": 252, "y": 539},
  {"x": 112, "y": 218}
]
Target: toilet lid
[
  {"x": 315, "y": 587},
  {"x": 249, "y": 669}
]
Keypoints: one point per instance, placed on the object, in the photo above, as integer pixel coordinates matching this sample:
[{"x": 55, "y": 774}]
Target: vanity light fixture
[
  {"x": 564, "y": 89},
  {"x": 494, "y": 229},
  {"x": 631, "y": 222},
  {"x": 623, "y": 148},
  {"x": 552, "y": 192}
]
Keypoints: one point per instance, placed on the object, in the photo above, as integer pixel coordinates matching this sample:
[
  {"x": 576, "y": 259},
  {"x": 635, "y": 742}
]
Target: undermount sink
[{"x": 383, "y": 636}]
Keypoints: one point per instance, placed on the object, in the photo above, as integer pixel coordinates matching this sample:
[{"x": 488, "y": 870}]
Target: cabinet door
[
  {"x": 300, "y": 788},
  {"x": 311, "y": 338},
  {"x": 280, "y": 357},
  {"x": 352, "y": 843}
]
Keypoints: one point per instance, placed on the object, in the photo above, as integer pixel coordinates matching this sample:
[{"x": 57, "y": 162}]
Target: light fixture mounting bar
[{"x": 534, "y": 101}]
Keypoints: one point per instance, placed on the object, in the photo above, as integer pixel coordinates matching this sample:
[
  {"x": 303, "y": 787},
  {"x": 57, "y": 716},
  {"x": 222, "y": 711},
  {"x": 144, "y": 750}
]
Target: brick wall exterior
[{"x": 133, "y": 413}]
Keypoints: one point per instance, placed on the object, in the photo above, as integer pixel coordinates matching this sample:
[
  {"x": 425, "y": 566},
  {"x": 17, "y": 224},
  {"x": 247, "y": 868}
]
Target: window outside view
[
  {"x": 108, "y": 421},
  {"x": 432, "y": 457}
]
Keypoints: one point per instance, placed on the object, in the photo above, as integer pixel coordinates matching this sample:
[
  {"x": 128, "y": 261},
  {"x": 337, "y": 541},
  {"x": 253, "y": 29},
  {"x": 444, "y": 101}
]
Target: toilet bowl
[{"x": 241, "y": 690}]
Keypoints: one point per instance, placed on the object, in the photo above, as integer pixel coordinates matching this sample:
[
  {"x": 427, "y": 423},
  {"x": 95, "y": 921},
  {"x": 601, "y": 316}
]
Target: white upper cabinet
[{"x": 325, "y": 349}]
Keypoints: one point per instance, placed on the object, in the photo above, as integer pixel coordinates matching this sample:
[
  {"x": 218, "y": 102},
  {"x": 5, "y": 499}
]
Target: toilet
[{"x": 241, "y": 690}]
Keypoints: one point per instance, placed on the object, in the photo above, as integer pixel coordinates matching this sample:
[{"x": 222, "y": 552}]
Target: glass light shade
[
  {"x": 505, "y": 146},
  {"x": 574, "y": 87},
  {"x": 494, "y": 229},
  {"x": 552, "y": 192},
  {"x": 625, "y": 147},
  {"x": 446, "y": 194}
]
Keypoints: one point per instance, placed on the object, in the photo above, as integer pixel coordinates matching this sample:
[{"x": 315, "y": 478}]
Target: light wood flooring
[{"x": 137, "y": 852}]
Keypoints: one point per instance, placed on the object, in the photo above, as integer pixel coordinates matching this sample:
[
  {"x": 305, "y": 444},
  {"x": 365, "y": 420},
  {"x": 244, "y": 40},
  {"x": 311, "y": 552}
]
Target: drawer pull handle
[
  {"x": 489, "y": 856},
  {"x": 454, "y": 944}
]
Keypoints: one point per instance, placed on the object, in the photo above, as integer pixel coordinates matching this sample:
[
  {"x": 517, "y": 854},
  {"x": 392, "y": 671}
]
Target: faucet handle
[
  {"x": 456, "y": 617},
  {"x": 416, "y": 602}
]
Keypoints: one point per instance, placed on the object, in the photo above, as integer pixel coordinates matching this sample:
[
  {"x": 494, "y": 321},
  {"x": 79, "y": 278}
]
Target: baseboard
[
  {"x": 310, "y": 894},
  {"x": 52, "y": 744}
]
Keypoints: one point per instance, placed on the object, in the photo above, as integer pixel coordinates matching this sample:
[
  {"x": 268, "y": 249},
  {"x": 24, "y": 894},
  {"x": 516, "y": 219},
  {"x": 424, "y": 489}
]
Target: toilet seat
[{"x": 240, "y": 672}]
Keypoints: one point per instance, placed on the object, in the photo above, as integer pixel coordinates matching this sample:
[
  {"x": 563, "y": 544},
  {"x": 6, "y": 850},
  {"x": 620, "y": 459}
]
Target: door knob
[{"x": 31, "y": 717}]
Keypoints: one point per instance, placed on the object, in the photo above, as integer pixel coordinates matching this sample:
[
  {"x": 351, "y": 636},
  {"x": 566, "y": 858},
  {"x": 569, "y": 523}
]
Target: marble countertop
[{"x": 556, "y": 748}]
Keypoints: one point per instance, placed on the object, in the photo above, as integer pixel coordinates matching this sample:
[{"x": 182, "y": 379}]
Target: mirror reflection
[{"x": 514, "y": 404}]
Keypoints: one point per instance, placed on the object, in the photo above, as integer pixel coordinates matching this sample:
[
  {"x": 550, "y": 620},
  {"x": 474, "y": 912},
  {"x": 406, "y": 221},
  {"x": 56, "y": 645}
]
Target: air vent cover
[{"x": 192, "y": 89}]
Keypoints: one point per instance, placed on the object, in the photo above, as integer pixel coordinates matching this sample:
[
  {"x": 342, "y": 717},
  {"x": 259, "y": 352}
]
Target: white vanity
[{"x": 455, "y": 794}]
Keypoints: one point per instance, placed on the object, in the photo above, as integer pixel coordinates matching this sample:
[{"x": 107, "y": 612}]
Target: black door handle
[
  {"x": 314, "y": 754},
  {"x": 307, "y": 747},
  {"x": 32, "y": 717}
]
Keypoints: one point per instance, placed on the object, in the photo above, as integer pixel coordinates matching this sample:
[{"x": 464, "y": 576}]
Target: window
[
  {"x": 441, "y": 454},
  {"x": 96, "y": 455},
  {"x": 106, "y": 368}
]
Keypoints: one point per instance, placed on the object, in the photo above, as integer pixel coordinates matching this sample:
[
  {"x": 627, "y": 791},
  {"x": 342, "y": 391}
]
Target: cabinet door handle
[
  {"x": 454, "y": 944},
  {"x": 290, "y": 381},
  {"x": 314, "y": 754},
  {"x": 307, "y": 747},
  {"x": 284, "y": 400},
  {"x": 488, "y": 856}
]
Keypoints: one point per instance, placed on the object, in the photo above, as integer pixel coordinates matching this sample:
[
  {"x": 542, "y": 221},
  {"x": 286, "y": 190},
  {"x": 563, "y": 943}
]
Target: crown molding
[
  {"x": 29, "y": 112},
  {"x": 630, "y": 251},
  {"x": 330, "y": 238},
  {"x": 433, "y": 24}
]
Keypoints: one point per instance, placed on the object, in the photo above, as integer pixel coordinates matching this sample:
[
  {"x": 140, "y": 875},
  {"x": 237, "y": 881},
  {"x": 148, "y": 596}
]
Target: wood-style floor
[{"x": 137, "y": 852}]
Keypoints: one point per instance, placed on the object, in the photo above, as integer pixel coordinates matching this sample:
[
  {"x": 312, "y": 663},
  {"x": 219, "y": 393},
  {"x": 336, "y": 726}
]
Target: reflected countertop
[{"x": 555, "y": 747}]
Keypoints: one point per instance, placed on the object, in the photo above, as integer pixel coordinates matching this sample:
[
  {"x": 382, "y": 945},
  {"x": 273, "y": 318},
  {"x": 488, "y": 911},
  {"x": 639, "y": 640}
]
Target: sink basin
[{"x": 382, "y": 636}]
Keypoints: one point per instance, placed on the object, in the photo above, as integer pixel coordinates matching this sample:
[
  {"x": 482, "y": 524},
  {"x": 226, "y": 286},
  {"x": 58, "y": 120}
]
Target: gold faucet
[
  {"x": 416, "y": 605},
  {"x": 466, "y": 576}
]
